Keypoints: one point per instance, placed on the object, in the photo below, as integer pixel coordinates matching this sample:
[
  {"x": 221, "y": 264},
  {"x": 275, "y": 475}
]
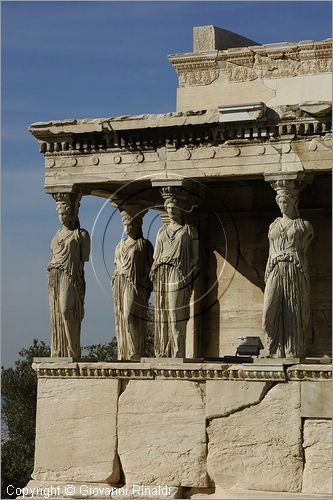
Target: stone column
[
  {"x": 70, "y": 249},
  {"x": 286, "y": 309}
]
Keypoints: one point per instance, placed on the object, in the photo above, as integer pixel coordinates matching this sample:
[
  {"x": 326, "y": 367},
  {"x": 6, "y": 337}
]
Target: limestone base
[{"x": 187, "y": 426}]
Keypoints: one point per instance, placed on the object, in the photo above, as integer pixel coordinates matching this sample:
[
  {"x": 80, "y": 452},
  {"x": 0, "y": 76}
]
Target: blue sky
[{"x": 92, "y": 59}]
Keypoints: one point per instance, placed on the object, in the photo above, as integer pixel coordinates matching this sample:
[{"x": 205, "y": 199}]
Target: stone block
[
  {"x": 224, "y": 397},
  {"x": 317, "y": 444},
  {"x": 259, "y": 448},
  {"x": 162, "y": 433},
  {"x": 76, "y": 430},
  {"x": 214, "y": 38},
  {"x": 316, "y": 399}
]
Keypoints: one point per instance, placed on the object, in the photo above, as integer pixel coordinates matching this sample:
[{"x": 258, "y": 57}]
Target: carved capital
[
  {"x": 128, "y": 210},
  {"x": 175, "y": 194},
  {"x": 288, "y": 185},
  {"x": 70, "y": 199},
  {"x": 69, "y": 202},
  {"x": 299, "y": 178}
]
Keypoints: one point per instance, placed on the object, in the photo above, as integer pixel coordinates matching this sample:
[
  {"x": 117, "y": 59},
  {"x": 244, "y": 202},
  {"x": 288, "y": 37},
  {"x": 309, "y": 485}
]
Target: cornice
[
  {"x": 278, "y": 60},
  {"x": 196, "y": 69},
  {"x": 309, "y": 372},
  {"x": 176, "y": 130},
  {"x": 184, "y": 371}
]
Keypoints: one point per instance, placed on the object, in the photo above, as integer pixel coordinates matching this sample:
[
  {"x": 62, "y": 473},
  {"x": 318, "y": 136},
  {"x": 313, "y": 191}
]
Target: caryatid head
[
  {"x": 67, "y": 206},
  {"x": 132, "y": 218},
  {"x": 287, "y": 197},
  {"x": 174, "y": 203}
]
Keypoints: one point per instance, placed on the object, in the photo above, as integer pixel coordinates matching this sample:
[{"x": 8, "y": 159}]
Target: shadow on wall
[
  {"x": 232, "y": 219},
  {"x": 237, "y": 257}
]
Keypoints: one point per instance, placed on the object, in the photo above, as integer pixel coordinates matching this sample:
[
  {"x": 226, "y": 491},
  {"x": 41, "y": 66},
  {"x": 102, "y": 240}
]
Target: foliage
[
  {"x": 19, "y": 396},
  {"x": 101, "y": 352},
  {"x": 150, "y": 332},
  {"x": 19, "y": 393}
]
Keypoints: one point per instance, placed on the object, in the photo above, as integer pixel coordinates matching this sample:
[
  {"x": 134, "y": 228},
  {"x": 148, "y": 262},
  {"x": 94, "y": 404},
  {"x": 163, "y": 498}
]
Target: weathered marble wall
[
  {"x": 165, "y": 436},
  {"x": 76, "y": 430},
  {"x": 183, "y": 425},
  {"x": 272, "y": 92},
  {"x": 317, "y": 445}
]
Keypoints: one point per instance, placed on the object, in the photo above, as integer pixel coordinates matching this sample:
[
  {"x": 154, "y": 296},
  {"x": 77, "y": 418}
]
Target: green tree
[
  {"x": 19, "y": 393},
  {"x": 150, "y": 332},
  {"x": 19, "y": 396},
  {"x": 101, "y": 352}
]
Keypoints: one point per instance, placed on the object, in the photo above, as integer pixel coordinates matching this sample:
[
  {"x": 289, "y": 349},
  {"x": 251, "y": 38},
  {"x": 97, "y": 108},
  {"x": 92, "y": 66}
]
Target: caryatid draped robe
[
  {"x": 131, "y": 290},
  {"x": 69, "y": 250},
  {"x": 175, "y": 259},
  {"x": 286, "y": 309}
]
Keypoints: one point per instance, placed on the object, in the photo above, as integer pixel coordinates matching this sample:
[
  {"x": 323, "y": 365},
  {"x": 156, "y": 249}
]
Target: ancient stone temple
[{"x": 238, "y": 396}]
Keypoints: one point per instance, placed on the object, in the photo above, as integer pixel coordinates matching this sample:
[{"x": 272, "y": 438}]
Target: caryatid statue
[
  {"x": 70, "y": 249},
  {"x": 131, "y": 285},
  {"x": 286, "y": 309},
  {"x": 173, "y": 272}
]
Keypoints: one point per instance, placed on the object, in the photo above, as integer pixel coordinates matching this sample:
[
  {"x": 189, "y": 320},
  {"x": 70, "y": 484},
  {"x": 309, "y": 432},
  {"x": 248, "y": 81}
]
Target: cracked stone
[
  {"x": 259, "y": 448},
  {"x": 224, "y": 397}
]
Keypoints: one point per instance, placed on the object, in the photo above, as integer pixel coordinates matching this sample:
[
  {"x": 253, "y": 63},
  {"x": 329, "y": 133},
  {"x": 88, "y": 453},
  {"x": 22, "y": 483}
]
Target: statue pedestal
[
  {"x": 278, "y": 361},
  {"x": 292, "y": 361},
  {"x": 173, "y": 361},
  {"x": 53, "y": 360}
]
